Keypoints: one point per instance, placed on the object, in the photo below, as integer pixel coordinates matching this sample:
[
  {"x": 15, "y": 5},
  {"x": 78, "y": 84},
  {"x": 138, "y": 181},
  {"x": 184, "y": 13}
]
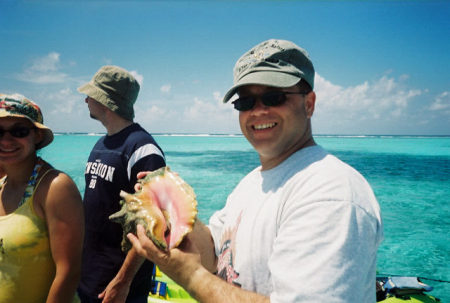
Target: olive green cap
[
  {"x": 277, "y": 63},
  {"x": 115, "y": 88}
]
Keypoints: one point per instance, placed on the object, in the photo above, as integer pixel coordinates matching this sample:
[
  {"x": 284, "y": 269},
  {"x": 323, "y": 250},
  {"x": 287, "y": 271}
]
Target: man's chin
[{"x": 264, "y": 148}]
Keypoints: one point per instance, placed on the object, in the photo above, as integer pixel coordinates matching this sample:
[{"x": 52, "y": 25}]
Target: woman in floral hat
[{"x": 41, "y": 213}]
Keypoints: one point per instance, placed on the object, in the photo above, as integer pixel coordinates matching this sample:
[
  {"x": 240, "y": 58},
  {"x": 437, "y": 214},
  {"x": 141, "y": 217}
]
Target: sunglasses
[
  {"x": 17, "y": 131},
  {"x": 275, "y": 98}
]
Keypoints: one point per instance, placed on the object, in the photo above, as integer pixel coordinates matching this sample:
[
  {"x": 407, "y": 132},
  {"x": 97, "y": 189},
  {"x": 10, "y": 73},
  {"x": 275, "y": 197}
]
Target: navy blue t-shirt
[{"x": 112, "y": 166}]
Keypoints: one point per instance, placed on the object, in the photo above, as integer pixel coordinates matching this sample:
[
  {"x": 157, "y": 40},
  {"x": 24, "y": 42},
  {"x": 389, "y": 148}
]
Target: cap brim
[
  {"x": 99, "y": 95},
  {"x": 92, "y": 91},
  {"x": 267, "y": 78}
]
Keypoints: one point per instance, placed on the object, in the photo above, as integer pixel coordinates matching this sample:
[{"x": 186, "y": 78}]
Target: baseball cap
[{"x": 277, "y": 63}]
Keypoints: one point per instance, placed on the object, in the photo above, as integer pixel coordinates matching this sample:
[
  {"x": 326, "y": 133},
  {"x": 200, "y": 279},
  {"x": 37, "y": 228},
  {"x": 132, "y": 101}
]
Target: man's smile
[{"x": 263, "y": 126}]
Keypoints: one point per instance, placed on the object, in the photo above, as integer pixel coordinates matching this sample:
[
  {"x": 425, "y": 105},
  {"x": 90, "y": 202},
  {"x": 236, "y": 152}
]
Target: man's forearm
[
  {"x": 130, "y": 266},
  {"x": 118, "y": 288},
  {"x": 208, "y": 288},
  {"x": 185, "y": 266},
  {"x": 201, "y": 237}
]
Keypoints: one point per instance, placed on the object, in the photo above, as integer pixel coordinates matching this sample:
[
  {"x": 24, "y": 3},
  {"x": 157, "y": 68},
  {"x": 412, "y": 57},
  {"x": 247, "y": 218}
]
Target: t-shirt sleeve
[
  {"x": 215, "y": 226},
  {"x": 146, "y": 158}
]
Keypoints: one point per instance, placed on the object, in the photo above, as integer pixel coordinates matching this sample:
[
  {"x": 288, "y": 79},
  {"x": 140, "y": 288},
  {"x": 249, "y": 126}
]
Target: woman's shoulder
[{"x": 54, "y": 182}]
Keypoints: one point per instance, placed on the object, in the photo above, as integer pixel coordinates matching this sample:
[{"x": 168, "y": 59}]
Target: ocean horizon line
[{"x": 241, "y": 135}]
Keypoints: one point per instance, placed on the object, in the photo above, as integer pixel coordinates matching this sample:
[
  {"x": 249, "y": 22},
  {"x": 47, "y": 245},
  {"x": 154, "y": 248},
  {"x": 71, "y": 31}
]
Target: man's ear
[{"x": 310, "y": 102}]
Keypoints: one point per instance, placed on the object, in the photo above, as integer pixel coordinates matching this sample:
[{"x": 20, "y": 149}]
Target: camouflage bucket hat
[
  {"x": 115, "y": 88},
  {"x": 17, "y": 105},
  {"x": 277, "y": 63}
]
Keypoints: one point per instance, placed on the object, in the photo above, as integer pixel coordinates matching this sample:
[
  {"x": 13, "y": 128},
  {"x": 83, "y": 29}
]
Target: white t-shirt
[{"x": 305, "y": 231}]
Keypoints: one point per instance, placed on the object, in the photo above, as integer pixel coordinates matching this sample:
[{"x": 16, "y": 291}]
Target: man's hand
[
  {"x": 115, "y": 292},
  {"x": 178, "y": 263}
]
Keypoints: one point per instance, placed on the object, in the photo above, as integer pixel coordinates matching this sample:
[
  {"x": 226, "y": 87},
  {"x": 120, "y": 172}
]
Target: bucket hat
[
  {"x": 277, "y": 63},
  {"x": 115, "y": 88},
  {"x": 16, "y": 105}
]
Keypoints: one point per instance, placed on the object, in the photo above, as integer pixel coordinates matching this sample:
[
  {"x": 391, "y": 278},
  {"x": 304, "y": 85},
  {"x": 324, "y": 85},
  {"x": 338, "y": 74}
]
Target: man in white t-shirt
[{"x": 303, "y": 226}]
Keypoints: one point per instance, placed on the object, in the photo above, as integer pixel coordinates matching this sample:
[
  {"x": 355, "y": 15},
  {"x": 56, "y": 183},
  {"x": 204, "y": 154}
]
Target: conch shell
[{"x": 165, "y": 205}]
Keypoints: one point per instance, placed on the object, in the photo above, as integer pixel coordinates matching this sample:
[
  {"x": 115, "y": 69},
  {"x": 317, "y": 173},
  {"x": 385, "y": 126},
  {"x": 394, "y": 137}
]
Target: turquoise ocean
[{"x": 409, "y": 175}]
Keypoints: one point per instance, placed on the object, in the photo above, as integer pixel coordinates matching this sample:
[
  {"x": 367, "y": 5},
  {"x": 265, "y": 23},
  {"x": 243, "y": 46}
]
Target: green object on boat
[
  {"x": 166, "y": 290},
  {"x": 396, "y": 289},
  {"x": 416, "y": 298}
]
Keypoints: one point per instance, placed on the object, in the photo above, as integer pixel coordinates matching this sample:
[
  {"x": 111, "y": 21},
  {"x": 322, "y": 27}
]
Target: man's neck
[
  {"x": 270, "y": 162},
  {"x": 116, "y": 125}
]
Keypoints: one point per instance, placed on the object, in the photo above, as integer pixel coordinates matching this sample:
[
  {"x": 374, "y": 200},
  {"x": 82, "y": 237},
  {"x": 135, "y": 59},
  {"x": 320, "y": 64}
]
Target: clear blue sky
[{"x": 382, "y": 67}]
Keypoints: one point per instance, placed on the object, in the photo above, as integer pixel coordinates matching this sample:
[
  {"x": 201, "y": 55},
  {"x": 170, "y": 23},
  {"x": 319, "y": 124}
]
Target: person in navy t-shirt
[{"x": 108, "y": 274}]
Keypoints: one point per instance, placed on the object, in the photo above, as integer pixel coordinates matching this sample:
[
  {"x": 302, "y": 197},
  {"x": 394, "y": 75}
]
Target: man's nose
[{"x": 259, "y": 106}]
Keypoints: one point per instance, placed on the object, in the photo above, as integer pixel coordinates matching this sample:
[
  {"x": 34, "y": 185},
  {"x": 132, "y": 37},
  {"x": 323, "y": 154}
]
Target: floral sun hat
[{"x": 16, "y": 105}]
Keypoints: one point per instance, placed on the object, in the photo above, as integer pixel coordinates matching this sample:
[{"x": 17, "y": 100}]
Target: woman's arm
[{"x": 63, "y": 211}]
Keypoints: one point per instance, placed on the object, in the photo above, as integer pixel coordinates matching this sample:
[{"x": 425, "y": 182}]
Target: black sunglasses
[
  {"x": 275, "y": 98},
  {"x": 17, "y": 131}
]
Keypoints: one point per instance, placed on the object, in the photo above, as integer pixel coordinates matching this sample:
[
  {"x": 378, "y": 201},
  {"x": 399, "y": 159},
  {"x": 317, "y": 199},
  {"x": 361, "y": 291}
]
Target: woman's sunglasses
[
  {"x": 17, "y": 131},
  {"x": 275, "y": 98}
]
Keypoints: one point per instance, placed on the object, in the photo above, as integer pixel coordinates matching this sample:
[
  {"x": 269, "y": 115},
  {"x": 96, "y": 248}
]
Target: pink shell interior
[{"x": 177, "y": 202}]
